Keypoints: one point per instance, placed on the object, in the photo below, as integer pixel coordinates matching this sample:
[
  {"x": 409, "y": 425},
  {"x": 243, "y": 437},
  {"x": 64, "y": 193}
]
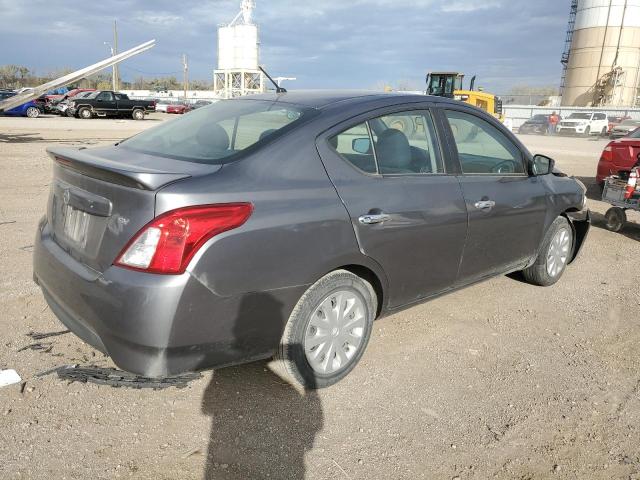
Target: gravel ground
[{"x": 500, "y": 380}]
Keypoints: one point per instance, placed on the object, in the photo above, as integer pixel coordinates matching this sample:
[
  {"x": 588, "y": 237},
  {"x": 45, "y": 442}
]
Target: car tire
[
  {"x": 33, "y": 112},
  {"x": 603, "y": 133},
  {"x": 138, "y": 114},
  {"x": 315, "y": 309},
  {"x": 615, "y": 219},
  {"x": 587, "y": 131},
  {"x": 85, "y": 113},
  {"x": 554, "y": 255},
  {"x": 69, "y": 113}
]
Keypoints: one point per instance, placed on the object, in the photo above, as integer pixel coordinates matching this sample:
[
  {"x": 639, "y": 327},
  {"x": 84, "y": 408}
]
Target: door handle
[
  {"x": 485, "y": 204},
  {"x": 374, "y": 219}
]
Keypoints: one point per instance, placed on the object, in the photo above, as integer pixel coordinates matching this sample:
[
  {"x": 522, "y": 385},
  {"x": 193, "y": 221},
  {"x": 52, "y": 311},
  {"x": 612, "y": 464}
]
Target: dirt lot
[{"x": 501, "y": 380}]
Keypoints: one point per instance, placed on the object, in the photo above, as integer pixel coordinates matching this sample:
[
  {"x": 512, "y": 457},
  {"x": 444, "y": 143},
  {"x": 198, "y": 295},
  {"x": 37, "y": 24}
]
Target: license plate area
[{"x": 76, "y": 225}]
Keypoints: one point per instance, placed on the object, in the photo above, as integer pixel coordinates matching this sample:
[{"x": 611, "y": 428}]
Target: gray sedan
[
  {"x": 283, "y": 225},
  {"x": 624, "y": 129}
]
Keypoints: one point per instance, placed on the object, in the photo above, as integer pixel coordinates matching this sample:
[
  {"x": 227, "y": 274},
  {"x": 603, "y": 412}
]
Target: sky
[{"x": 323, "y": 43}]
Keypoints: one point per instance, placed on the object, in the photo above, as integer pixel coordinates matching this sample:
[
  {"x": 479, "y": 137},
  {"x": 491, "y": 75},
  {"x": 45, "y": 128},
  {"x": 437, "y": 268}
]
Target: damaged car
[{"x": 281, "y": 225}]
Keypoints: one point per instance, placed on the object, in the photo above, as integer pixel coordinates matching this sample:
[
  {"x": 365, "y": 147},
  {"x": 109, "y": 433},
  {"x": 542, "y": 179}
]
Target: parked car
[
  {"x": 201, "y": 103},
  {"x": 619, "y": 156},
  {"x": 163, "y": 103},
  {"x": 179, "y": 108},
  {"x": 624, "y": 129},
  {"x": 62, "y": 108},
  {"x": 66, "y": 98},
  {"x": 616, "y": 120},
  {"x": 538, "y": 124},
  {"x": 285, "y": 224},
  {"x": 106, "y": 103},
  {"x": 584, "y": 123},
  {"x": 29, "y": 109}
]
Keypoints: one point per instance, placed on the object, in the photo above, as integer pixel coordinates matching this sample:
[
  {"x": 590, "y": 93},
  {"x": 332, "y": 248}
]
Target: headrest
[
  {"x": 213, "y": 136},
  {"x": 393, "y": 150}
]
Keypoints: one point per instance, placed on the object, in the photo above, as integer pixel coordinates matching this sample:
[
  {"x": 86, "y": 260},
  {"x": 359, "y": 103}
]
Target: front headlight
[{"x": 72, "y": 104}]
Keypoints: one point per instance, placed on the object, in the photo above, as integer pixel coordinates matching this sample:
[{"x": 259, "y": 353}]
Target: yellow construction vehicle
[{"x": 450, "y": 85}]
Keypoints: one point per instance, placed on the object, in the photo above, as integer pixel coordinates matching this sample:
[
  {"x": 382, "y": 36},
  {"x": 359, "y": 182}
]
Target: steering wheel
[{"x": 504, "y": 167}]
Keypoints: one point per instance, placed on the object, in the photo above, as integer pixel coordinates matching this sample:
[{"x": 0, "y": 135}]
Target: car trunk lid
[
  {"x": 98, "y": 202},
  {"x": 625, "y": 153}
]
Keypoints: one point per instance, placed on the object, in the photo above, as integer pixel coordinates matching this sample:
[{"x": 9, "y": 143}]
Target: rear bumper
[{"x": 158, "y": 325}]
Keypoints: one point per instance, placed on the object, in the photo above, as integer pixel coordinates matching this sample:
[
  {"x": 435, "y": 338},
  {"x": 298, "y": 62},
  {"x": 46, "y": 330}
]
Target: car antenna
[{"x": 279, "y": 89}]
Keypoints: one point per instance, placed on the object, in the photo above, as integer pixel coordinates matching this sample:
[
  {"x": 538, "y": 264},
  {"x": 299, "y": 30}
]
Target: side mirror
[
  {"x": 361, "y": 145},
  {"x": 542, "y": 165}
]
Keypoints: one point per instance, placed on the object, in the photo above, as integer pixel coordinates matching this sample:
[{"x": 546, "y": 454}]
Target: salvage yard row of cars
[
  {"x": 92, "y": 103},
  {"x": 583, "y": 124}
]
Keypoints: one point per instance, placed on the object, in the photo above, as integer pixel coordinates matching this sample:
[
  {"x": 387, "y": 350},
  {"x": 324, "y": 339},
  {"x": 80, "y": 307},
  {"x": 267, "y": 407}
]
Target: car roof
[{"x": 323, "y": 98}]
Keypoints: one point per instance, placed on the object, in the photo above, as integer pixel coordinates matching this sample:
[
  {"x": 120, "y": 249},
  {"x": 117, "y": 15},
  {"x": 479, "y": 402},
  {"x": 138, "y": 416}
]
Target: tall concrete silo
[
  {"x": 603, "y": 54},
  {"x": 238, "y": 46}
]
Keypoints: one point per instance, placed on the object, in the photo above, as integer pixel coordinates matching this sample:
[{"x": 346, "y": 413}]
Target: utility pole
[
  {"x": 116, "y": 73},
  {"x": 185, "y": 80},
  {"x": 113, "y": 69}
]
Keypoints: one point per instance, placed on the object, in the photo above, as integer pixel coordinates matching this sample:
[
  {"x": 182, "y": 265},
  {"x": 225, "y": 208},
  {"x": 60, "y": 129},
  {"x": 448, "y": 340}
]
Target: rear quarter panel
[{"x": 299, "y": 229}]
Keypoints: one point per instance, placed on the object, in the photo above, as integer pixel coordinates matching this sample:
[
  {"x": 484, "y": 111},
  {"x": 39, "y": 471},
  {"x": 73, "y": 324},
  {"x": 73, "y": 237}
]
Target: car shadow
[
  {"x": 19, "y": 138},
  {"x": 261, "y": 426},
  {"x": 630, "y": 230},
  {"x": 36, "y": 138}
]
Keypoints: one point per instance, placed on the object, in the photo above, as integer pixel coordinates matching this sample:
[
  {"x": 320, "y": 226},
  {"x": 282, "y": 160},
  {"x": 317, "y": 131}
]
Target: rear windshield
[{"x": 217, "y": 133}]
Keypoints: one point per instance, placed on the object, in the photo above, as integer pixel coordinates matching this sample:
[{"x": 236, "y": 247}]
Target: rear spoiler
[{"x": 142, "y": 178}]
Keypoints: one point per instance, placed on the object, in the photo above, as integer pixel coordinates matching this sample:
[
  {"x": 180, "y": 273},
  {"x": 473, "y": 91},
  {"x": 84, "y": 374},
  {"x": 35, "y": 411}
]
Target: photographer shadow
[{"x": 261, "y": 426}]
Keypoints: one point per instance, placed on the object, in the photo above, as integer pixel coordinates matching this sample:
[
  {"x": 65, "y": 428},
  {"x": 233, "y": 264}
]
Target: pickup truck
[{"x": 106, "y": 103}]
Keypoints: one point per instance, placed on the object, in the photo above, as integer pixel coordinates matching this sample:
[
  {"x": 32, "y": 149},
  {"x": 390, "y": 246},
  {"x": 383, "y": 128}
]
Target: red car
[
  {"x": 619, "y": 156},
  {"x": 180, "y": 109}
]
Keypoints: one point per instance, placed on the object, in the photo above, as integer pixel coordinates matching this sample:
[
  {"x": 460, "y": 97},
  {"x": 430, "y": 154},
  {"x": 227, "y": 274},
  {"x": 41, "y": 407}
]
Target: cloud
[
  {"x": 325, "y": 44},
  {"x": 466, "y": 6}
]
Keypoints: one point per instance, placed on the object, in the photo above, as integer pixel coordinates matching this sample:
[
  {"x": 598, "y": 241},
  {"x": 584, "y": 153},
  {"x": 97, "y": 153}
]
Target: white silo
[
  {"x": 603, "y": 63},
  {"x": 238, "y": 56}
]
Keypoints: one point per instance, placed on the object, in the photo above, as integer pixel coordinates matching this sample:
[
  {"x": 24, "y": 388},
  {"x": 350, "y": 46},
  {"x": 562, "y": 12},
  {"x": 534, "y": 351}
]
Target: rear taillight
[
  {"x": 169, "y": 242},
  {"x": 607, "y": 153}
]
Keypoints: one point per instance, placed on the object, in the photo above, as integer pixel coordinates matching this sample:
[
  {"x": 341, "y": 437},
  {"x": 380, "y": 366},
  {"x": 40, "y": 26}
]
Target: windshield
[
  {"x": 539, "y": 117},
  {"x": 580, "y": 116},
  {"x": 216, "y": 133},
  {"x": 631, "y": 123}
]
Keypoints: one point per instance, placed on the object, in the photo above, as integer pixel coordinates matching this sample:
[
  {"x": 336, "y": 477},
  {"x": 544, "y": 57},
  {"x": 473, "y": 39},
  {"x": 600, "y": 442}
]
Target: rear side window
[
  {"x": 354, "y": 145},
  {"x": 403, "y": 143},
  {"x": 219, "y": 133},
  {"x": 482, "y": 148}
]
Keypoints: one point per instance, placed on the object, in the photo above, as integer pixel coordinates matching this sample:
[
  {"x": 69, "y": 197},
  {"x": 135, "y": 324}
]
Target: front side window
[
  {"x": 217, "y": 133},
  {"x": 482, "y": 148},
  {"x": 397, "y": 144}
]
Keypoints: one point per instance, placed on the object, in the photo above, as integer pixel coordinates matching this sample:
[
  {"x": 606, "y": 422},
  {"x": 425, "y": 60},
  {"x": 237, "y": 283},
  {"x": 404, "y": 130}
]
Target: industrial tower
[
  {"x": 238, "y": 53},
  {"x": 602, "y": 54}
]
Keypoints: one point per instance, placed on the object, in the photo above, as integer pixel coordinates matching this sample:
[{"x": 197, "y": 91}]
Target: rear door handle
[
  {"x": 485, "y": 204},
  {"x": 374, "y": 219}
]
